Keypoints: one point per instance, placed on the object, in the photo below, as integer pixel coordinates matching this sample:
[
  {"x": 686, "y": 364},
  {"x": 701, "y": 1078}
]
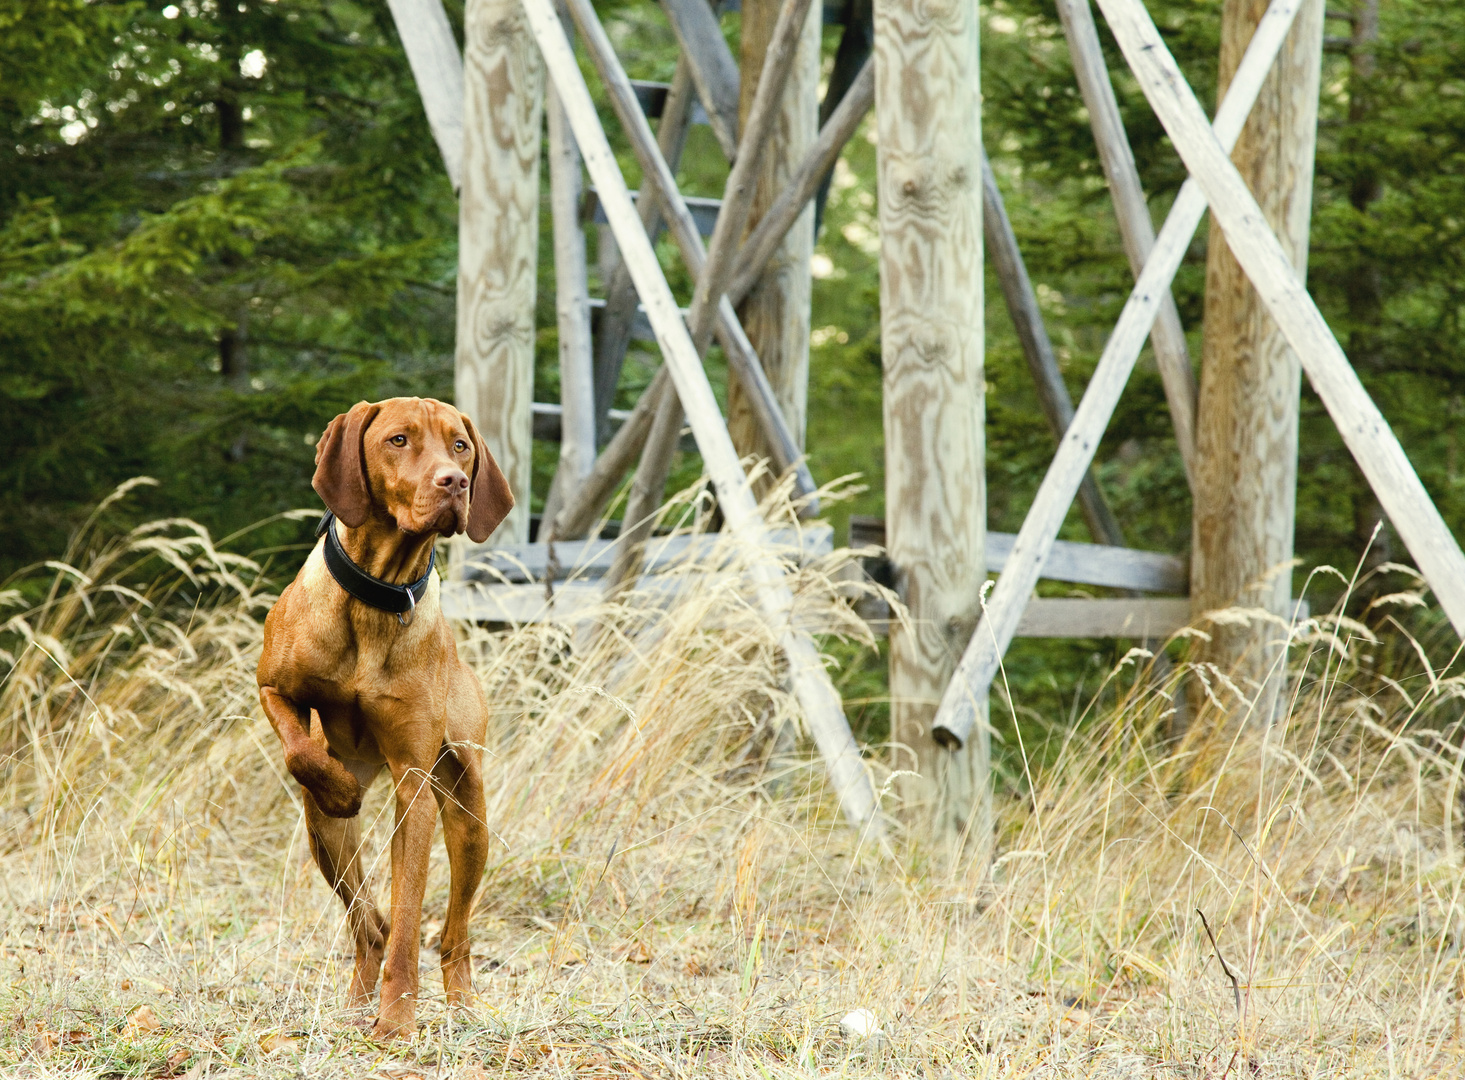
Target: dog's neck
[{"x": 385, "y": 551}]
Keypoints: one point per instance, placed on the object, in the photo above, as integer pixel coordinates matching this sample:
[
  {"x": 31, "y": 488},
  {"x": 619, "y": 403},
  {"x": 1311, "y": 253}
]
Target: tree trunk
[
  {"x": 775, "y": 314},
  {"x": 1246, "y": 436},
  {"x": 928, "y": 111},
  {"x": 498, "y": 241}
]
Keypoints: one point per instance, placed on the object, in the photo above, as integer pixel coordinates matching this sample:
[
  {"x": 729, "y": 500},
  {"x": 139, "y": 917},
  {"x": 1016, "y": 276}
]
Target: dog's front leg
[
  {"x": 411, "y": 843},
  {"x": 336, "y": 791}
]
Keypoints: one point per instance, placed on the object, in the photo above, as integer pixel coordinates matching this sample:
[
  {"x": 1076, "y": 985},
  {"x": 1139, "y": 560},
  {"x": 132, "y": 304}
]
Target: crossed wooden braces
[{"x": 1205, "y": 150}]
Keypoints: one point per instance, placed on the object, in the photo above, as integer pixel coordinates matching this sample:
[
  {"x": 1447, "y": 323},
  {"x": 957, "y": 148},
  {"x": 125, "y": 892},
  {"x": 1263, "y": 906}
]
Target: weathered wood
[
  {"x": 579, "y": 513},
  {"x": 704, "y": 211},
  {"x": 737, "y": 201},
  {"x": 816, "y": 694},
  {"x": 498, "y": 241},
  {"x": 1246, "y": 443},
  {"x": 572, "y": 312},
  {"x": 929, "y": 169},
  {"x": 1364, "y": 429},
  {"x": 617, "y": 322},
  {"x": 588, "y": 560},
  {"x": 437, "y": 68},
  {"x": 764, "y": 240},
  {"x": 1082, "y": 564},
  {"x": 742, "y": 361},
  {"x": 1136, "y": 229},
  {"x": 1027, "y": 320},
  {"x": 714, "y": 71},
  {"x": 776, "y": 313},
  {"x": 961, "y": 711}
]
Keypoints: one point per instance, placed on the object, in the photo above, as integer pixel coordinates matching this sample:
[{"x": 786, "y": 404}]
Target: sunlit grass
[{"x": 671, "y": 891}]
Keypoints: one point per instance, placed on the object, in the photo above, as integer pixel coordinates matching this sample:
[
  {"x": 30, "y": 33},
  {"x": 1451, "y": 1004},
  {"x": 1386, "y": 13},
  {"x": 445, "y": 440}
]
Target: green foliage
[{"x": 219, "y": 227}]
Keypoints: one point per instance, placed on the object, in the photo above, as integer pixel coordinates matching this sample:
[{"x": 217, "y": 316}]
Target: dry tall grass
[{"x": 673, "y": 894}]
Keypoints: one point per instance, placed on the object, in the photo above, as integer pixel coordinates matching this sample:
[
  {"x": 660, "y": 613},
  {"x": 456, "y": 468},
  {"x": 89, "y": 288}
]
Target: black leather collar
[{"x": 399, "y": 600}]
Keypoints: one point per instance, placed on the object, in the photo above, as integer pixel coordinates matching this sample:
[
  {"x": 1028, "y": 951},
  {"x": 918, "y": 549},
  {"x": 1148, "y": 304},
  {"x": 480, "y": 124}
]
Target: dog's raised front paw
[{"x": 335, "y": 790}]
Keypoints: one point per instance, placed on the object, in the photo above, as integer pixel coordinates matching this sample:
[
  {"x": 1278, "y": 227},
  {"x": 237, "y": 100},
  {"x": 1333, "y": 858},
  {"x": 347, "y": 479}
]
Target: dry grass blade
[{"x": 674, "y": 895}]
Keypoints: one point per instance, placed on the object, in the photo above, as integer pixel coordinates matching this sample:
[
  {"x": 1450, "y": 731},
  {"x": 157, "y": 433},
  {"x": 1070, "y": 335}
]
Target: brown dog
[{"x": 354, "y": 681}]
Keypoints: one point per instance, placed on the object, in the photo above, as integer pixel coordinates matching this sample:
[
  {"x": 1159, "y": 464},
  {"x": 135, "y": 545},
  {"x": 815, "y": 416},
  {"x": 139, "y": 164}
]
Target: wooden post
[
  {"x": 1246, "y": 439},
  {"x": 776, "y": 313},
  {"x": 778, "y": 219},
  {"x": 1364, "y": 430},
  {"x": 709, "y": 298},
  {"x": 713, "y": 69},
  {"x": 438, "y": 70},
  {"x": 620, "y": 295},
  {"x": 929, "y": 168},
  {"x": 572, "y": 311},
  {"x": 962, "y": 710},
  {"x": 498, "y": 239},
  {"x": 1138, "y": 232},
  {"x": 816, "y": 694}
]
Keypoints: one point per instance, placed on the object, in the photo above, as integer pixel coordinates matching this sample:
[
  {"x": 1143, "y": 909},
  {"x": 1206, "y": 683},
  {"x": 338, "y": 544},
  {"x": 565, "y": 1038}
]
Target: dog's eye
[
  {"x": 460, "y": 446},
  {"x": 398, "y": 440}
]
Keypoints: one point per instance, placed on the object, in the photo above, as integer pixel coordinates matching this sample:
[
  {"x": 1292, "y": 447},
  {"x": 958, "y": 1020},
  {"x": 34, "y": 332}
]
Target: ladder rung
[
  {"x": 704, "y": 211},
  {"x": 652, "y": 96}
]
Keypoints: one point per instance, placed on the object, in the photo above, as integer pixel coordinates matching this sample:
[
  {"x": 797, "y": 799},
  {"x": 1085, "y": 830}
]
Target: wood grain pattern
[
  {"x": 775, "y": 315},
  {"x": 498, "y": 241},
  {"x": 960, "y": 716},
  {"x": 1246, "y": 440},
  {"x": 929, "y": 168}
]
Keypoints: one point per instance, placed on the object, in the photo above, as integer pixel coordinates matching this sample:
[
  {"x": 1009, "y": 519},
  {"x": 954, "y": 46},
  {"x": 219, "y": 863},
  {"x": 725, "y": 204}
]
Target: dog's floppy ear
[
  {"x": 489, "y": 498},
  {"x": 340, "y": 465}
]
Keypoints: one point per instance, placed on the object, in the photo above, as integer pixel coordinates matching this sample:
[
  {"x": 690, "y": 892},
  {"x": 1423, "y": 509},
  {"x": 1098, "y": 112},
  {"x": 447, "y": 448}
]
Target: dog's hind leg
[
  {"x": 336, "y": 844},
  {"x": 458, "y": 785}
]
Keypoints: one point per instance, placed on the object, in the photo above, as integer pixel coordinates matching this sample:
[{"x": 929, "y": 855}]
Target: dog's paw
[{"x": 329, "y": 782}]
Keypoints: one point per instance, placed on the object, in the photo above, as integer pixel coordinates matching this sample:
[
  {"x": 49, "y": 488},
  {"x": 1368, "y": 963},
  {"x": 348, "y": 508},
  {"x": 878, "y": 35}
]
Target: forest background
[{"x": 223, "y": 223}]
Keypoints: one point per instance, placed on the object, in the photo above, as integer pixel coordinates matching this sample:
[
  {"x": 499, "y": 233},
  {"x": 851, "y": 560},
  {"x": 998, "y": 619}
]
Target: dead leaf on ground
[
  {"x": 45, "y": 1042},
  {"x": 278, "y": 1043},
  {"x": 473, "y": 1070},
  {"x": 636, "y": 953},
  {"x": 695, "y": 967},
  {"x": 143, "y": 1021}
]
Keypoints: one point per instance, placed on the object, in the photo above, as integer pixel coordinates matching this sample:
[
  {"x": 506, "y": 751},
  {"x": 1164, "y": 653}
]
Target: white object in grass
[{"x": 860, "y": 1024}]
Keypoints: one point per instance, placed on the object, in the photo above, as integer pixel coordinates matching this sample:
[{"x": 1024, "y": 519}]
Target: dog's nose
[{"x": 453, "y": 479}]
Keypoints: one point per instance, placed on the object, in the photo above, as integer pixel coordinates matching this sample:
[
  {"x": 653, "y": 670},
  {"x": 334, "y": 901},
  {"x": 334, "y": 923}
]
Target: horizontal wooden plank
[
  {"x": 547, "y": 424},
  {"x": 1081, "y": 617},
  {"x": 1078, "y": 563},
  {"x": 704, "y": 211},
  {"x": 588, "y": 560}
]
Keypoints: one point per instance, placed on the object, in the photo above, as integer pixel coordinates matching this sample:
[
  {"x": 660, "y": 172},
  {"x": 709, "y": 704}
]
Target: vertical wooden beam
[
  {"x": 776, "y": 313},
  {"x": 929, "y": 168},
  {"x": 1246, "y": 438},
  {"x": 572, "y": 309},
  {"x": 498, "y": 238}
]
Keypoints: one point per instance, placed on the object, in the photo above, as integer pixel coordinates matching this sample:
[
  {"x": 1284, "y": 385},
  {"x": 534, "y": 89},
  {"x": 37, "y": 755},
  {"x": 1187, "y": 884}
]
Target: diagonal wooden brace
[
  {"x": 816, "y": 694},
  {"x": 1256, "y": 247},
  {"x": 959, "y": 708}
]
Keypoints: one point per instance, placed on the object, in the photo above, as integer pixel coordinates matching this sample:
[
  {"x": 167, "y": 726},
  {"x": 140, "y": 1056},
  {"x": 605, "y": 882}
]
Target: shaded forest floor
[{"x": 672, "y": 894}]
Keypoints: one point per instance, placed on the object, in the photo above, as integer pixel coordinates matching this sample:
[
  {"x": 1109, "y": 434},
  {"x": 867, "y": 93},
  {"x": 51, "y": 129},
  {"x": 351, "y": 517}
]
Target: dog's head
[{"x": 415, "y": 461}]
